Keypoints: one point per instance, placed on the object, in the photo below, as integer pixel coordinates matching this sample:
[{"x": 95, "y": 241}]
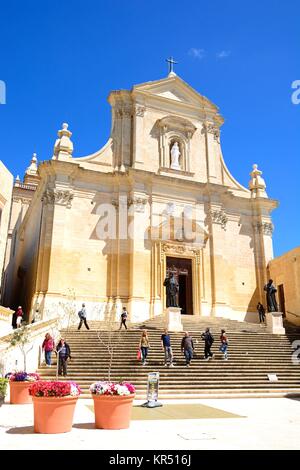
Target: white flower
[
  {"x": 74, "y": 390},
  {"x": 122, "y": 390}
]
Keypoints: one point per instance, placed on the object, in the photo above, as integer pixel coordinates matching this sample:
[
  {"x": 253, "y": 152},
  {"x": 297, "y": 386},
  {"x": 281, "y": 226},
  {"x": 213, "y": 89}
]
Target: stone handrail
[
  {"x": 12, "y": 357},
  {"x": 291, "y": 313},
  {"x": 34, "y": 328},
  {"x": 5, "y": 312}
]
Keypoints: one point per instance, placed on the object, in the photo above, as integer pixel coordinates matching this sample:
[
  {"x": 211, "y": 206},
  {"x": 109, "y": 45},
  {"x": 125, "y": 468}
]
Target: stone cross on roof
[{"x": 171, "y": 62}]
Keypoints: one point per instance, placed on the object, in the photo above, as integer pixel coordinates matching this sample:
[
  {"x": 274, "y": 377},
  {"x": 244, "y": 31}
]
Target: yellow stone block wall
[
  {"x": 285, "y": 270},
  {"x": 6, "y": 185}
]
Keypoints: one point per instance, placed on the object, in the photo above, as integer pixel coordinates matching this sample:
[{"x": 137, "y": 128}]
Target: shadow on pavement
[
  {"x": 84, "y": 426},
  {"x": 21, "y": 430},
  {"x": 292, "y": 396}
]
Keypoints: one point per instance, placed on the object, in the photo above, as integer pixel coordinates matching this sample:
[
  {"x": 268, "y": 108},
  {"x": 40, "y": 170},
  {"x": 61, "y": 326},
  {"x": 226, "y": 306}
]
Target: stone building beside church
[
  {"x": 107, "y": 228},
  {"x": 6, "y": 185}
]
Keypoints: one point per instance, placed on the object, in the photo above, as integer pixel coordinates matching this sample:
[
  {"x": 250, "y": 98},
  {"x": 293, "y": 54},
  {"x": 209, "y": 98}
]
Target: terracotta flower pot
[
  {"x": 112, "y": 411},
  {"x": 19, "y": 392},
  {"x": 53, "y": 415}
]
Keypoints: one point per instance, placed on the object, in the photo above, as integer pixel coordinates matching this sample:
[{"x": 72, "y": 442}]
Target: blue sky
[{"x": 60, "y": 60}]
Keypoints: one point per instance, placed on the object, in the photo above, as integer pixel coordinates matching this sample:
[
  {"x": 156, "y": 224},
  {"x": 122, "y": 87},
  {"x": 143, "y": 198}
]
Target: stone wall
[
  {"x": 6, "y": 186},
  {"x": 11, "y": 357},
  {"x": 285, "y": 271}
]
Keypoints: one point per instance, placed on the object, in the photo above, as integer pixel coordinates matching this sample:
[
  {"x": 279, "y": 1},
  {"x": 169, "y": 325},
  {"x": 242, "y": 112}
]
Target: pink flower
[{"x": 43, "y": 388}]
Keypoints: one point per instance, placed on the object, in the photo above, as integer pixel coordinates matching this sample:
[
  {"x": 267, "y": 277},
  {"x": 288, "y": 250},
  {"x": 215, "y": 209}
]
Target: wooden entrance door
[
  {"x": 182, "y": 270},
  {"x": 281, "y": 299}
]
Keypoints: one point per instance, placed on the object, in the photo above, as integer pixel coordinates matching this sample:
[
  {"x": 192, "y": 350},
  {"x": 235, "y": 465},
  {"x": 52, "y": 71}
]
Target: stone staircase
[{"x": 253, "y": 353}]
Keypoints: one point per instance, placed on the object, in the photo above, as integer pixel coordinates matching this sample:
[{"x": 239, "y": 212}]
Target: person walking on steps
[
  {"x": 124, "y": 316},
  {"x": 166, "y": 347},
  {"x": 208, "y": 339},
  {"x": 144, "y": 346},
  {"x": 82, "y": 316},
  {"x": 224, "y": 345},
  {"x": 261, "y": 312},
  {"x": 48, "y": 346},
  {"x": 187, "y": 347},
  {"x": 64, "y": 353}
]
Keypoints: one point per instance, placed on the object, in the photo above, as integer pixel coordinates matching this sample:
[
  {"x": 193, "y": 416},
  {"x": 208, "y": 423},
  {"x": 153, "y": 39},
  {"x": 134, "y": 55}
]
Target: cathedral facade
[{"x": 108, "y": 228}]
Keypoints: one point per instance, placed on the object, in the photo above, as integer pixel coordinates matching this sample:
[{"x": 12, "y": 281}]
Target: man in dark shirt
[
  {"x": 261, "y": 312},
  {"x": 82, "y": 316},
  {"x": 187, "y": 347},
  {"x": 208, "y": 341},
  {"x": 166, "y": 347},
  {"x": 124, "y": 316}
]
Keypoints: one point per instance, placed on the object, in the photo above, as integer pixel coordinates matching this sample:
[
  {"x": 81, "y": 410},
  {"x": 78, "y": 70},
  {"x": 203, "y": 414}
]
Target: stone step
[
  {"x": 204, "y": 384},
  {"x": 253, "y": 353}
]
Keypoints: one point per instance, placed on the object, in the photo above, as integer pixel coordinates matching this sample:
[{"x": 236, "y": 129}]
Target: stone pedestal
[
  {"x": 274, "y": 323},
  {"x": 173, "y": 319}
]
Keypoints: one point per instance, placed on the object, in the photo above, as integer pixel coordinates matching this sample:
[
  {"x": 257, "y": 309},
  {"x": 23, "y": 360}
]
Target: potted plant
[
  {"x": 54, "y": 404},
  {"x": 19, "y": 383},
  {"x": 112, "y": 404},
  {"x": 3, "y": 388}
]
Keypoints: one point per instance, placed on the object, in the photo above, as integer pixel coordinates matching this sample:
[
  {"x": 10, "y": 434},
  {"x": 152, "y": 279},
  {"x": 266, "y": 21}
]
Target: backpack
[{"x": 81, "y": 315}]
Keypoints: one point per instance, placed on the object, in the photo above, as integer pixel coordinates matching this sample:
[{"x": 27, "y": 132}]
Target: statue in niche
[{"x": 175, "y": 154}]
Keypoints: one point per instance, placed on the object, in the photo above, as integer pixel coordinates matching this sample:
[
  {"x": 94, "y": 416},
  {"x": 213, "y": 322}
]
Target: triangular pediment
[{"x": 175, "y": 89}]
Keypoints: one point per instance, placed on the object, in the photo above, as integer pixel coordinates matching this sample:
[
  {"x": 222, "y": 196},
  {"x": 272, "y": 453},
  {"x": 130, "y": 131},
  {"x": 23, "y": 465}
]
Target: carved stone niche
[{"x": 175, "y": 129}]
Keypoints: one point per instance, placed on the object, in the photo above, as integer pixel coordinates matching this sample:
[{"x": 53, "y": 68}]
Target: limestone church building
[{"x": 107, "y": 229}]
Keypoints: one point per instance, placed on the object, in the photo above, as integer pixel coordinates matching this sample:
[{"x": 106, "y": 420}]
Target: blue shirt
[
  {"x": 63, "y": 351},
  {"x": 166, "y": 340}
]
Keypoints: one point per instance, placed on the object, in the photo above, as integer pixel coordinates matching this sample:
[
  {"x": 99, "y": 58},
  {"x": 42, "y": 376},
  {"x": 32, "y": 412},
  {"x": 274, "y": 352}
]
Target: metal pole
[{"x": 57, "y": 364}]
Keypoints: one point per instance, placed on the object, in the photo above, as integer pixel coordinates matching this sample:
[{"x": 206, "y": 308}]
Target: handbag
[
  {"x": 139, "y": 354},
  {"x": 222, "y": 348}
]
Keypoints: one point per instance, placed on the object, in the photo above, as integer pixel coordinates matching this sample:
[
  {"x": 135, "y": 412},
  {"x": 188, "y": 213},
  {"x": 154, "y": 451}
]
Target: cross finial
[{"x": 171, "y": 62}]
